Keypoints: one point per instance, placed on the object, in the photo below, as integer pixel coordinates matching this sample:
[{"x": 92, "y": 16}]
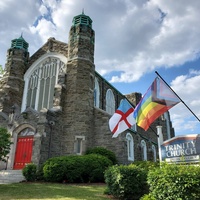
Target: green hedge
[
  {"x": 76, "y": 169},
  {"x": 30, "y": 172},
  {"x": 171, "y": 181},
  {"x": 126, "y": 182},
  {"x": 104, "y": 152},
  {"x": 147, "y": 165}
]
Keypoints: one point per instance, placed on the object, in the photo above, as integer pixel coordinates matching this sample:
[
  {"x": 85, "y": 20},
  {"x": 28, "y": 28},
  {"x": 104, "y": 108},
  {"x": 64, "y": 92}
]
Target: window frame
[
  {"x": 78, "y": 144},
  {"x": 96, "y": 93},
  {"x": 36, "y": 66},
  {"x": 110, "y": 102},
  {"x": 130, "y": 147},
  {"x": 154, "y": 152},
  {"x": 144, "y": 149}
]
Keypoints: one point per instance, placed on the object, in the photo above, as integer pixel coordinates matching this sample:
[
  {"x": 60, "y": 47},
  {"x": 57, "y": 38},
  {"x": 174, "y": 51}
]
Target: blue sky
[{"x": 133, "y": 39}]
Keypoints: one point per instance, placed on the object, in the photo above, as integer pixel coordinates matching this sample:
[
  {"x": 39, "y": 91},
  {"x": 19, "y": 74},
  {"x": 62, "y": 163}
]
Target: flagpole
[
  {"x": 153, "y": 131},
  {"x": 178, "y": 96},
  {"x": 160, "y": 141}
]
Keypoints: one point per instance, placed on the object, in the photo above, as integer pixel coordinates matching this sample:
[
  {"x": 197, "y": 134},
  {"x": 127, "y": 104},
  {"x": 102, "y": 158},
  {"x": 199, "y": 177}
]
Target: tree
[{"x": 4, "y": 143}]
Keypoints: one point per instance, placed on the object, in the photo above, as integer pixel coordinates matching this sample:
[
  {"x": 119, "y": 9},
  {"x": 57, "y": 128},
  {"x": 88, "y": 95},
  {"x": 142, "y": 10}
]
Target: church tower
[
  {"x": 12, "y": 83},
  {"x": 79, "y": 99}
]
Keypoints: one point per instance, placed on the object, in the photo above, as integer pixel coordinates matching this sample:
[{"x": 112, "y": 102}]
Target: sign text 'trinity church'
[{"x": 181, "y": 149}]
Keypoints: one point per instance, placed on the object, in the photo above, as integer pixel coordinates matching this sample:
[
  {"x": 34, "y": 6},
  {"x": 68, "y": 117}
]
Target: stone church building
[{"x": 54, "y": 103}]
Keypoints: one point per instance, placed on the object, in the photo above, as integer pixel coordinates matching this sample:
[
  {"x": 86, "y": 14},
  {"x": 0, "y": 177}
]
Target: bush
[
  {"x": 95, "y": 166},
  {"x": 104, "y": 152},
  {"x": 147, "y": 165},
  {"x": 4, "y": 144},
  {"x": 40, "y": 174},
  {"x": 76, "y": 169},
  {"x": 172, "y": 181},
  {"x": 29, "y": 172},
  {"x": 147, "y": 197},
  {"x": 54, "y": 169},
  {"x": 126, "y": 182}
]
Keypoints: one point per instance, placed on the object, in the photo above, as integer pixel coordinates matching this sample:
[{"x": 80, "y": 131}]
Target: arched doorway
[{"x": 24, "y": 148}]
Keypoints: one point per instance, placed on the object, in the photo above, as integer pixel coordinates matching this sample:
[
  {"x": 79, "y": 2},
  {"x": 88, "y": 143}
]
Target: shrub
[
  {"x": 54, "y": 169},
  {"x": 29, "y": 172},
  {"x": 172, "y": 181},
  {"x": 147, "y": 165},
  {"x": 126, "y": 182},
  {"x": 76, "y": 169},
  {"x": 4, "y": 144},
  {"x": 95, "y": 166},
  {"x": 40, "y": 174},
  {"x": 147, "y": 197},
  {"x": 104, "y": 152}
]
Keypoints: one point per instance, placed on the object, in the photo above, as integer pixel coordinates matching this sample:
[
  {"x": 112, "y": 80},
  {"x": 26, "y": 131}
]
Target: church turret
[
  {"x": 17, "y": 57},
  {"x": 12, "y": 82},
  {"x": 81, "y": 38},
  {"x": 80, "y": 85},
  {"x": 19, "y": 43}
]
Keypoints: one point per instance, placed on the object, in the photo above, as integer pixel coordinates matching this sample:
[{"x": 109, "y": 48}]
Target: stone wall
[
  {"x": 52, "y": 45},
  {"x": 12, "y": 83}
]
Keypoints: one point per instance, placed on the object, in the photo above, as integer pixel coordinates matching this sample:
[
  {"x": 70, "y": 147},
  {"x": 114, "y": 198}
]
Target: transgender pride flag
[
  {"x": 122, "y": 118},
  {"x": 158, "y": 99}
]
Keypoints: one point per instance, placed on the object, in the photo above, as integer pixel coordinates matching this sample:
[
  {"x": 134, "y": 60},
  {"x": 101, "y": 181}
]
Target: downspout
[{"x": 51, "y": 124}]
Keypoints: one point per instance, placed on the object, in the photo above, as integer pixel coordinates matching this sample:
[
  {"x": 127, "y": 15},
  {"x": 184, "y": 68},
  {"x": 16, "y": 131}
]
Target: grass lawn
[{"x": 51, "y": 191}]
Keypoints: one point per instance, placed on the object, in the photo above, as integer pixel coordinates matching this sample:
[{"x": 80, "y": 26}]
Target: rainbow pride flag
[{"x": 158, "y": 99}]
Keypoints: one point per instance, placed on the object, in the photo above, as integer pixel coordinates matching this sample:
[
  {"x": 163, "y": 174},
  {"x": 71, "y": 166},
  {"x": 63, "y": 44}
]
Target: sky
[{"x": 133, "y": 39}]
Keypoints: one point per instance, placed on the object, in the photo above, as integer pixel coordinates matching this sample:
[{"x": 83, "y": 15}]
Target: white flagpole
[{"x": 160, "y": 141}]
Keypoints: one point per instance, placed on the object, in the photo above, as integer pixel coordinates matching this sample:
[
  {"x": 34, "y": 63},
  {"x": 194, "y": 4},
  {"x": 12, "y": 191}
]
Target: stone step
[{"x": 11, "y": 176}]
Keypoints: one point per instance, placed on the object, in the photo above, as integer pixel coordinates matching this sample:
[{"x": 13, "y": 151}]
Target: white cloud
[
  {"x": 142, "y": 41},
  {"x": 45, "y": 29},
  {"x": 43, "y": 10},
  {"x": 142, "y": 35},
  {"x": 187, "y": 87}
]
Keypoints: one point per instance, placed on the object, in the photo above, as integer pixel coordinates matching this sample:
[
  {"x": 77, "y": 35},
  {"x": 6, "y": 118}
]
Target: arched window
[
  {"x": 154, "y": 152},
  {"x": 130, "y": 147},
  {"x": 96, "y": 93},
  {"x": 40, "y": 80},
  {"x": 144, "y": 149},
  {"x": 110, "y": 102},
  {"x": 26, "y": 132}
]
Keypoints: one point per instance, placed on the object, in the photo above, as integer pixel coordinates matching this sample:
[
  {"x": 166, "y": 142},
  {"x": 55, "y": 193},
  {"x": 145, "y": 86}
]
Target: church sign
[{"x": 181, "y": 149}]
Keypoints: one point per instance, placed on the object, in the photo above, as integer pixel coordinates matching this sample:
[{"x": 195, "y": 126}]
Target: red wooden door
[{"x": 23, "y": 152}]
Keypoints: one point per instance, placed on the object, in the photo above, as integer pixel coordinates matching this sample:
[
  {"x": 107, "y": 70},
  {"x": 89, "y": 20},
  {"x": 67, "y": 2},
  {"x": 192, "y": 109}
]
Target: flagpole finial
[{"x": 157, "y": 73}]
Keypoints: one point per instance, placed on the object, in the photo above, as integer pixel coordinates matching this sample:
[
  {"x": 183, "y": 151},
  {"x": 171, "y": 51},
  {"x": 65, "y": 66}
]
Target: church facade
[{"x": 54, "y": 103}]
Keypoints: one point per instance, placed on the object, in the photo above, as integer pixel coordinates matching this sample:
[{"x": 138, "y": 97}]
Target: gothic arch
[
  {"x": 110, "y": 102},
  {"x": 130, "y": 147},
  {"x": 14, "y": 139},
  {"x": 154, "y": 152},
  {"x": 96, "y": 93},
  {"x": 41, "y": 79},
  {"x": 144, "y": 150}
]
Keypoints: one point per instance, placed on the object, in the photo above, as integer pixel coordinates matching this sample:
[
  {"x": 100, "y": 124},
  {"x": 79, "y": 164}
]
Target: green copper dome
[
  {"x": 19, "y": 43},
  {"x": 82, "y": 19}
]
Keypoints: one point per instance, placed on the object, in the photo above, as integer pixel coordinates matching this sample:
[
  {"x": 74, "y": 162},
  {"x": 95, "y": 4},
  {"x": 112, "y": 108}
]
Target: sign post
[{"x": 160, "y": 141}]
